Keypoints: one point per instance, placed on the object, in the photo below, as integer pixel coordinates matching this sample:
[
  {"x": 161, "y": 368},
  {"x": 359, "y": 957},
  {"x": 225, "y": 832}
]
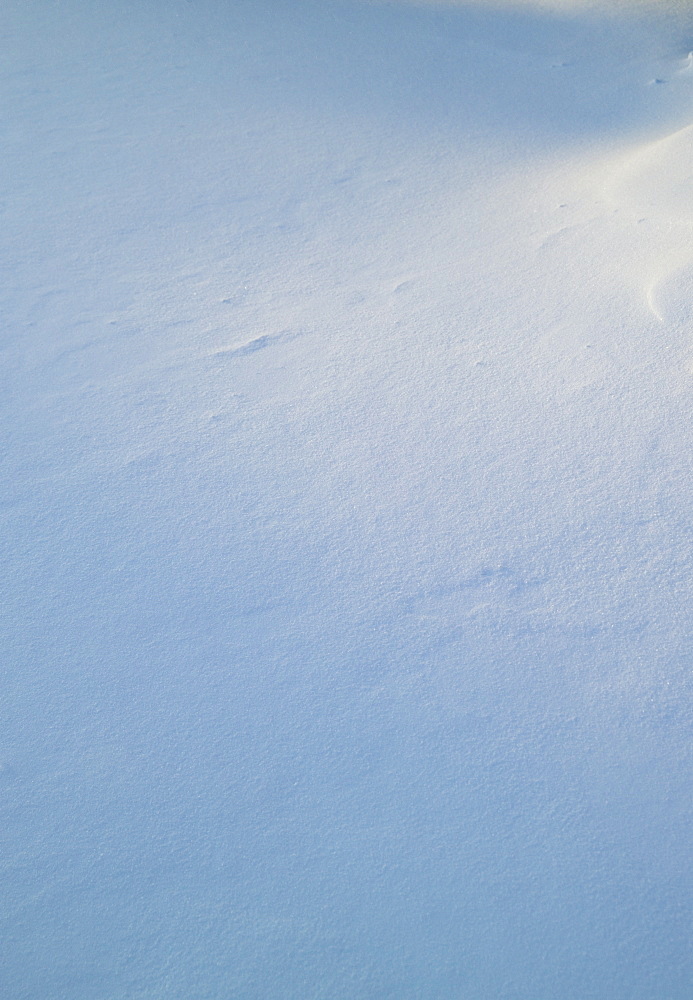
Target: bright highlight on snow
[{"x": 347, "y": 515}]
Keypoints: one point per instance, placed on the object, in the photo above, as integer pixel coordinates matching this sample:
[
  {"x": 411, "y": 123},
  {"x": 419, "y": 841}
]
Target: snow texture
[{"x": 347, "y": 523}]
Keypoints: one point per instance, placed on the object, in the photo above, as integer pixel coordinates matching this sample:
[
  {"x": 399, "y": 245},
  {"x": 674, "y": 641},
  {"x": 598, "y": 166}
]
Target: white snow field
[{"x": 347, "y": 511}]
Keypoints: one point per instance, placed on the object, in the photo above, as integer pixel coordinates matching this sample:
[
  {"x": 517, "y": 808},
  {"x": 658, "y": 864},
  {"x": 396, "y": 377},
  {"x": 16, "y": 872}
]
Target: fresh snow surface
[{"x": 347, "y": 517}]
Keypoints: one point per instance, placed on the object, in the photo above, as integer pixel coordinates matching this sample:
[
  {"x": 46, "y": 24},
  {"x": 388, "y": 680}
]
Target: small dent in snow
[{"x": 258, "y": 344}]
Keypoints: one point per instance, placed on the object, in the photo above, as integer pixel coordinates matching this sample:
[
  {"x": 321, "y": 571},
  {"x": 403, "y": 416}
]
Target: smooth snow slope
[{"x": 346, "y": 516}]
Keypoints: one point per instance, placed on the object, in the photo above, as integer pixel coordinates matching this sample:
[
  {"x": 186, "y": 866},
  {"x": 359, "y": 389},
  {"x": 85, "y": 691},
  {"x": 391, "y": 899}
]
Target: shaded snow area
[{"x": 347, "y": 522}]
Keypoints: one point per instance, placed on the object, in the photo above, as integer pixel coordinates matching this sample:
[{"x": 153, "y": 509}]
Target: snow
[{"x": 346, "y": 518}]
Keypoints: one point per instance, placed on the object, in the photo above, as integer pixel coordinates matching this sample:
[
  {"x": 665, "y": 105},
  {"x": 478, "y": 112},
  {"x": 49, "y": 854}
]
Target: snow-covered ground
[{"x": 347, "y": 521}]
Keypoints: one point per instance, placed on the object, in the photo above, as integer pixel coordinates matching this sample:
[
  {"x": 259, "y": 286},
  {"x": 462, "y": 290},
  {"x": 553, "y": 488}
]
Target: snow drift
[{"x": 347, "y": 509}]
